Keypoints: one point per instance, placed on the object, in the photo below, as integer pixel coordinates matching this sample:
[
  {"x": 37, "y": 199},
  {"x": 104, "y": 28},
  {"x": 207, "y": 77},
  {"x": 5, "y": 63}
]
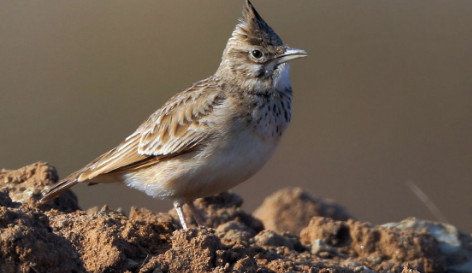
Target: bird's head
[{"x": 255, "y": 57}]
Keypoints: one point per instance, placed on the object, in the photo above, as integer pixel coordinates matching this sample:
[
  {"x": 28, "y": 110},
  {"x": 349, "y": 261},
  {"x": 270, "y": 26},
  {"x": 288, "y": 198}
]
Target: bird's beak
[{"x": 291, "y": 54}]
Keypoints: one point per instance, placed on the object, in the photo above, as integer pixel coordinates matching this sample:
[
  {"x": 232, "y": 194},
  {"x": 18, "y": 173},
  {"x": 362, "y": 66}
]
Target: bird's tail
[{"x": 60, "y": 187}]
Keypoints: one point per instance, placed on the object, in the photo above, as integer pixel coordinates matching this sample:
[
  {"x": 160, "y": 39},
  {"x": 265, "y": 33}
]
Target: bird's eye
[{"x": 256, "y": 54}]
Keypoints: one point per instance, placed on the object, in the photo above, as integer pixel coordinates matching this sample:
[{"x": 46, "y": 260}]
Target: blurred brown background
[{"x": 384, "y": 97}]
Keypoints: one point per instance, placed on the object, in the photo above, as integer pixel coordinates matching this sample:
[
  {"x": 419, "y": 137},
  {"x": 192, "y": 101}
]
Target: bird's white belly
[{"x": 239, "y": 161}]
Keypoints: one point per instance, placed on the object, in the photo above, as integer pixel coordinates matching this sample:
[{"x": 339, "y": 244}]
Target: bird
[{"x": 213, "y": 135}]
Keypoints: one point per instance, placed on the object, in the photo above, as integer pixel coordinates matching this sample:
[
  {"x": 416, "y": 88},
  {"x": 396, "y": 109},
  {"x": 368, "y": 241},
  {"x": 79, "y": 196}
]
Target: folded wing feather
[{"x": 180, "y": 125}]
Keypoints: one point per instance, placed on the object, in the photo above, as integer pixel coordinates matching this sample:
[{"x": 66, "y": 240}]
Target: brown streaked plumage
[{"x": 213, "y": 135}]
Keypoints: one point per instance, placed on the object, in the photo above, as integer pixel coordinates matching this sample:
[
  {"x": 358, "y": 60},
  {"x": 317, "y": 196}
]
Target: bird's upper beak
[{"x": 291, "y": 54}]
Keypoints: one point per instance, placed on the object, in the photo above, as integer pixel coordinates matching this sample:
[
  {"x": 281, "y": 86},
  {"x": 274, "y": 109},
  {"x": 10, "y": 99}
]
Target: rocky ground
[{"x": 292, "y": 231}]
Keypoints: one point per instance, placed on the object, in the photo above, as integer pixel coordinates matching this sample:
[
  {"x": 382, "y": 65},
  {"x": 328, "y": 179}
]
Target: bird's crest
[{"x": 254, "y": 30}]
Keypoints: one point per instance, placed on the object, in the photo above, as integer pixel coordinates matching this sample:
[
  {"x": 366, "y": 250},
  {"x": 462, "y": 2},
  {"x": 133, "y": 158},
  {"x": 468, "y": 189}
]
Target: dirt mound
[
  {"x": 27, "y": 243},
  {"x": 59, "y": 237},
  {"x": 26, "y": 185},
  {"x": 291, "y": 209}
]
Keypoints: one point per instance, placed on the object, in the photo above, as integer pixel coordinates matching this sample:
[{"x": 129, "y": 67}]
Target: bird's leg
[
  {"x": 178, "y": 204},
  {"x": 196, "y": 213}
]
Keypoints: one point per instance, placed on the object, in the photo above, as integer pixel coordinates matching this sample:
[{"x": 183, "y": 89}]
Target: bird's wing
[
  {"x": 179, "y": 126},
  {"x": 182, "y": 124}
]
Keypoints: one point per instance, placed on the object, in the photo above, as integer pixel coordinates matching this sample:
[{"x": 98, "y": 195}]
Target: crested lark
[{"x": 212, "y": 136}]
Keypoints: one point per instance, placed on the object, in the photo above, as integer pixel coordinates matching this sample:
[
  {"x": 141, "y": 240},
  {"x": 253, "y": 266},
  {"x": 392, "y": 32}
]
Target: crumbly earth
[
  {"x": 291, "y": 210},
  {"x": 300, "y": 236}
]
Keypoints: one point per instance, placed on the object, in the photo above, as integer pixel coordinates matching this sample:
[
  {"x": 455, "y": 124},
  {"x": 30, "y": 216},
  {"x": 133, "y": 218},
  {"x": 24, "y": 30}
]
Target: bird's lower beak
[{"x": 291, "y": 54}]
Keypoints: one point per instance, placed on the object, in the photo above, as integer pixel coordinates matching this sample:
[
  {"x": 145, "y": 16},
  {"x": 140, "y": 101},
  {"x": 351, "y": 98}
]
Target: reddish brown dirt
[
  {"x": 59, "y": 237},
  {"x": 291, "y": 209}
]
